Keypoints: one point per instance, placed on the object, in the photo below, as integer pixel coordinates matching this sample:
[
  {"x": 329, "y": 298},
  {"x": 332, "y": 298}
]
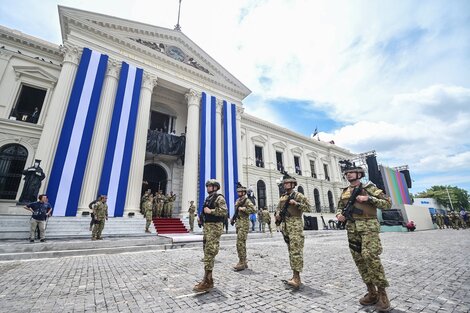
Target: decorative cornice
[
  {"x": 193, "y": 97},
  {"x": 71, "y": 53},
  {"x": 297, "y": 150},
  {"x": 35, "y": 72},
  {"x": 260, "y": 139},
  {"x": 280, "y": 145},
  {"x": 312, "y": 155}
]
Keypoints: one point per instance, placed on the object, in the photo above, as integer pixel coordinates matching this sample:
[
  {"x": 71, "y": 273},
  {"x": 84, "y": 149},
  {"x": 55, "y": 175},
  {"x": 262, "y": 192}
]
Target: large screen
[{"x": 395, "y": 185}]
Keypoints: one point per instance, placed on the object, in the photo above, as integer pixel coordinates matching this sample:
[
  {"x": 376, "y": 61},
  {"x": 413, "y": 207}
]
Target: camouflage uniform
[
  {"x": 171, "y": 201},
  {"x": 159, "y": 199},
  {"x": 440, "y": 221},
  {"x": 266, "y": 220},
  {"x": 363, "y": 233},
  {"x": 293, "y": 228},
  {"x": 148, "y": 211},
  {"x": 100, "y": 210},
  {"x": 213, "y": 231},
  {"x": 191, "y": 211},
  {"x": 165, "y": 205},
  {"x": 242, "y": 225}
]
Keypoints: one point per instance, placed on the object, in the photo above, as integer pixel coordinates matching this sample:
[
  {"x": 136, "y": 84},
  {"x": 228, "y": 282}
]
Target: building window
[
  {"x": 261, "y": 188},
  {"x": 312, "y": 169},
  {"x": 331, "y": 202},
  {"x": 28, "y": 104},
  {"x": 325, "y": 169},
  {"x": 259, "y": 156},
  {"x": 298, "y": 170},
  {"x": 280, "y": 164},
  {"x": 12, "y": 161},
  {"x": 316, "y": 196},
  {"x": 300, "y": 189}
]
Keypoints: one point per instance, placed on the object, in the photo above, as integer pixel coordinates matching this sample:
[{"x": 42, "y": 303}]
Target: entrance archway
[
  {"x": 155, "y": 177},
  {"x": 261, "y": 187},
  {"x": 331, "y": 202},
  {"x": 12, "y": 161},
  {"x": 300, "y": 189},
  {"x": 316, "y": 196}
]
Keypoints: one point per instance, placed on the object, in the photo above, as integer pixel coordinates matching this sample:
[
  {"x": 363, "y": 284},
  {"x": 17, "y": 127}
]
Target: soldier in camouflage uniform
[
  {"x": 191, "y": 211},
  {"x": 143, "y": 199},
  {"x": 159, "y": 199},
  {"x": 165, "y": 205},
  {"x": 171, "y": 201},
  {"x": 293, "y": 226},
  {"x": 363, "y": 235},
  {"x": 267, "y": 220},
  {"x": 214, "y": 211},
  {"x": 100, "y": 210},
  {"x": 440, "y": 220},
  {"x": 242, "y": 224},
  {"x": 148, "y": 211}
]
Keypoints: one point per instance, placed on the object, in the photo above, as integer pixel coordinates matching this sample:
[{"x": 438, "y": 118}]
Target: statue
[{"x": 33, "y": 176}]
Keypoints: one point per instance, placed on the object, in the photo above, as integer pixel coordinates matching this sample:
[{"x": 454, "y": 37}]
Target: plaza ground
[{"x": 428, "y": 271}]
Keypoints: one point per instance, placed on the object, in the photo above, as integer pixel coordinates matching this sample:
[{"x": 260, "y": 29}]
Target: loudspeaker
[
  {"x": 310, "y": 223},
  {"x": 374, "y": 173},
  {"x": 406, "y": 173}
]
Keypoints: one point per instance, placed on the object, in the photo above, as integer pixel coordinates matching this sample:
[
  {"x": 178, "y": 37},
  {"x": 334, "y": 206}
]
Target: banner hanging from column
[
  {"x": 207, "y": 161},
  {"x": 115, "y": 174},
  {"x": 69, "y": 164},
  {"x": 230, "y": 155}
]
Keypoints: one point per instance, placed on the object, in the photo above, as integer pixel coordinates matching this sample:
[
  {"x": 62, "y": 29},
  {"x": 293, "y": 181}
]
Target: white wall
[{"x": 420, "y": 215}]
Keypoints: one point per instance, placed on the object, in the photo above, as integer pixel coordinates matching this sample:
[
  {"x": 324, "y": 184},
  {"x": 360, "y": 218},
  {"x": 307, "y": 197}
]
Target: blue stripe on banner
[
  {"x": 75, "y": 139},
  {"x": 234, "y": 149},
  {"x": 213, "y": 162},
  {"x": 226, "y": 173},
  {"x": 115, "y": 174},
  {"x": 202, "y": 160},
  {"x": 230, "y": 154}
]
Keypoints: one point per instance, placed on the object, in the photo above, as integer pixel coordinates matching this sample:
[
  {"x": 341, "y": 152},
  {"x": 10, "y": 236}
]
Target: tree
[{"x": 459, "y": 197}]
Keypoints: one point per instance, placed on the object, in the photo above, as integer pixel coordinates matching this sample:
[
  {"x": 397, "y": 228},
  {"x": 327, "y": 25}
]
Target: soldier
[
  {"x": 100, "y": 210},
  {"x": 171, "y": 201},
  {"x": 241, "y": 218},
  {"x": 363, "y": 234},
  {"x": 159, "y": 198},
  {"x": 289, "y": 212},
  {"x": 148, "y": 211},
  {"x": 440, "y": 221},
  {"x": 165, "y": 205},
  {"x": 214, "y": 212},
  {"x": 267, "y": 220},
  {"x": 191, "y": 211},
  {"x": 143, "y": 199}
]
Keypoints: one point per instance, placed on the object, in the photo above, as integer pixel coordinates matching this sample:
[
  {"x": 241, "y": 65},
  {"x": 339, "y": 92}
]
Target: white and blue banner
[
  {"x": 230, "y": 155},
  {"x": 69, "y": 164},
  {"x": 117, "y": 161},
  {"x": 207, "y": 161}
]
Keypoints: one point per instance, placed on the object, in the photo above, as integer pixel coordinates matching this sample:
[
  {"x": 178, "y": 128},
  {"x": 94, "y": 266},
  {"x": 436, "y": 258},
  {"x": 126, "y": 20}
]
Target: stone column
[
  {"x": 191, "y": 153},
  {"x": 136, "y": 172},
  {"x": 239, "y": 113},
  {"x": 219, "y": 140},
  {"x": 55, "y": 114},
  {"x": 100, "y": 137}
]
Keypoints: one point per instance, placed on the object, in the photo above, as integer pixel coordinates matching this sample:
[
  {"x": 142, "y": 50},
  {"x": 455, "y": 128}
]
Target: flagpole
[{"x": 448, "y": 195}]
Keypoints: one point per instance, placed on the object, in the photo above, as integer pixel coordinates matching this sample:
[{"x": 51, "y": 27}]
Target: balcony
[{"x": 159, "y": 143}]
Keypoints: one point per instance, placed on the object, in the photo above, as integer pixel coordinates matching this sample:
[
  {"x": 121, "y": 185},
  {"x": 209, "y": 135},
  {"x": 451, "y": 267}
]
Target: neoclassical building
[{"x": 122, "y": 107}]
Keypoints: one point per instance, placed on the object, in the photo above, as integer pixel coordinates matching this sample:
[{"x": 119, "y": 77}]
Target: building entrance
[{"x": 155, "y": 178}]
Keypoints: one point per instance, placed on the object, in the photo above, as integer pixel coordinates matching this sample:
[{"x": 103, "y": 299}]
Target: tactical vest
[
  {"x": 293, "y": 210},
  {"x": 369, "y": 211},
  {"x": 210, "y": 203}
]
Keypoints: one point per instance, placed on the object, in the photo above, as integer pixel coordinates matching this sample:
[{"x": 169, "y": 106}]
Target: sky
[{"x": 389, "y": 76}]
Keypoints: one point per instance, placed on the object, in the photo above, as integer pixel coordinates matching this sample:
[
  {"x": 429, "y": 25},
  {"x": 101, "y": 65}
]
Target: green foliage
[{"x": 459, "y": 197}]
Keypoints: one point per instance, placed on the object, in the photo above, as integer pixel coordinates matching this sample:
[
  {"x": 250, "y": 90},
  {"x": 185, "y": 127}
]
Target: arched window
[
  {"x": 316, "y": 196},
  {"x": 300, "y": 189},
  {"x": 261, "y": 187},
  {"x": 331, "y": 202},
  {"x": 12, "y": 161}
]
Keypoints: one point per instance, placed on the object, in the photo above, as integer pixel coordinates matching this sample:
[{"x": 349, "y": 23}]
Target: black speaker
[
  {"x": 406, "y": 173},
  {"x": 374, "y": 173},
  {"x": 310, "y": 223}
]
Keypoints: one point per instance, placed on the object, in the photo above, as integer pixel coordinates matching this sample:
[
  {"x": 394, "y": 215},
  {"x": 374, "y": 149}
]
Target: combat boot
[
  {"x": 245, "y": 263},
  {"x": 295, "y": 281},
  {"x": 371, "y": 296},
  {"x": 240, "y": 266},
  {"x": 205, "y": 284},
  {"x": 383, "y": 305}
]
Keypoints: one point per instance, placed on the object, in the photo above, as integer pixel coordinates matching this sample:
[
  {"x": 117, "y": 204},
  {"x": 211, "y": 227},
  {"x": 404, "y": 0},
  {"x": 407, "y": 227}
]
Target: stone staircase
[
  {"x": 17, "y": 227},
  {"x": 169, "y": 226}
]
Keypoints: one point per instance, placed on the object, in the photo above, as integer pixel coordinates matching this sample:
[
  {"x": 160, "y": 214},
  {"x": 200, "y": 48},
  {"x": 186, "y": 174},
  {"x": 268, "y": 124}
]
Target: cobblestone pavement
[{"x": 428, "y": 272}]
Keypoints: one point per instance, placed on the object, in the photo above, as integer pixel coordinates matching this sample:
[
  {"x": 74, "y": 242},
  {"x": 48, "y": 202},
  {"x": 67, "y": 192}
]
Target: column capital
[
  {"x": 114, "y": 68},
  {"x": 149, "y": 81},
  {"x": 240, "y": 111},
  {"x": 193, "y": 97},
  {"x": 219, "y": 105},
  {"x": 71, "y": 53}
]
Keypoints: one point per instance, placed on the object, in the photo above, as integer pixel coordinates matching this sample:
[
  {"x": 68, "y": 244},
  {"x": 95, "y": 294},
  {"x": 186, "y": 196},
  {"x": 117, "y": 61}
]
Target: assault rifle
[
  {"x": 202, "y": 216},
  {"x": 350, "y": 209},
  {"x": 285, "y": 213},
  {"x": 235, "y": 215}
]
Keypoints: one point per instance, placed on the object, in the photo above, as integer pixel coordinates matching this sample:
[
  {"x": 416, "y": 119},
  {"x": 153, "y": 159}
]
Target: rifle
[
  {"x": 235, "y": 215},
  {"x": 202, "y": 216},
  {"x": 283, "y": 214},
  {"x": 350, "y": 209}
]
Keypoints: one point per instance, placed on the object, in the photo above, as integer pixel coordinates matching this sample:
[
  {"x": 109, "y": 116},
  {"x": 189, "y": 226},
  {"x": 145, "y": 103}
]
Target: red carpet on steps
[{"x": 169, "y": 226}]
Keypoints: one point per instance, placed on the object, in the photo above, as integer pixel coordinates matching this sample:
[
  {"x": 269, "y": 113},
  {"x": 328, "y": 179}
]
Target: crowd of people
[{"x": 452, "y": 220}]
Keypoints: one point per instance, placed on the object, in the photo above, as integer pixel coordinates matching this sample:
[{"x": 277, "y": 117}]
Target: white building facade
[{"x": 85, "y": 109}]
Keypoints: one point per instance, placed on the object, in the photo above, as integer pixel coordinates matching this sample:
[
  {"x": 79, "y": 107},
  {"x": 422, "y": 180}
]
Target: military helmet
[
  {"x": 350, "y": 167},
  {"x": 240, "y": 188},
  {"x": 213, "y": 182},
  {"x": 288, "y": 179}
]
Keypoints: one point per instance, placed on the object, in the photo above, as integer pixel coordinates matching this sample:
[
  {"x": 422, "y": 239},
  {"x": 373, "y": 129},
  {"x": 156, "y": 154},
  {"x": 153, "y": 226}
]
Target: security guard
[
  {"x": 294, "y": 204},
  {"x": 363, "y": 234},
  {"x": 213, "y": 214},
  {"x": 243, "y": 208}
]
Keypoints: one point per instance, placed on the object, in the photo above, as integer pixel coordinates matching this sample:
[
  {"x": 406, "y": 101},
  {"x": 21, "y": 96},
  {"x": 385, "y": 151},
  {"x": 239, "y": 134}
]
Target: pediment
[
  {"x": 260, "y": 139},
  {"x": 312, "y": 155},
  {"x": 280, "y": 145},
  {"x": 297, "y": 150},
  {"x": 34, "y": 72},
  {"x": 158, "y": 46}
]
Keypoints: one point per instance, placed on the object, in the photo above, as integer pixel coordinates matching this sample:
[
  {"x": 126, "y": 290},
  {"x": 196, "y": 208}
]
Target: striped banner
[
  {"x": 207, "y": 165},
  {"x": 230, "y": 155},
  {"x": 395, "y": 185},
  {"x": 115, "y": 174},
  {"x": 69, "y": 165}
]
